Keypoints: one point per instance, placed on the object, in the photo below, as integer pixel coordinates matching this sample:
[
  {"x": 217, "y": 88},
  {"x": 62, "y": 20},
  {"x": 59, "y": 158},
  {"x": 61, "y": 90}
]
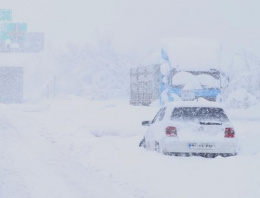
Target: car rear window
[{"x": 199, "y": 114}]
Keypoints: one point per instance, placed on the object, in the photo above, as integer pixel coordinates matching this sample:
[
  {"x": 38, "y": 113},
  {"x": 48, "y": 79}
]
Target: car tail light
[
  {"x": 171, "y": 131},
  {"x": 229, "y": 133}
]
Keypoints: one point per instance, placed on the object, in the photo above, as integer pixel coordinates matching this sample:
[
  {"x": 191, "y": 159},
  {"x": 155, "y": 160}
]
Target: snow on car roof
[{"x": 199, "y": 103}]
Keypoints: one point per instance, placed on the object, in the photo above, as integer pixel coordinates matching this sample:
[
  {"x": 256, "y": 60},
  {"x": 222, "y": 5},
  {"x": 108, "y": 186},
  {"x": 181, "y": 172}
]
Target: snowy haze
[
  {"x": 75, "y": 134},
  {"x": 99, "y": 39},
  {"x": 137, "y": 26}
]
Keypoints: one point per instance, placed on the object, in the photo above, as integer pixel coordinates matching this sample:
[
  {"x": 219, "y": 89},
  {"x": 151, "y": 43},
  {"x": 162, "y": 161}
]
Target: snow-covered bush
[
  {"x": 240, "y": 98},
  {"x": 243, "y": 72},
  {"x": 98, "y": 74}
]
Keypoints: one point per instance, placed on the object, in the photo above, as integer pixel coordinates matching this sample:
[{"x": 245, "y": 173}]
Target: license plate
[{"x": 203, "y": 146}]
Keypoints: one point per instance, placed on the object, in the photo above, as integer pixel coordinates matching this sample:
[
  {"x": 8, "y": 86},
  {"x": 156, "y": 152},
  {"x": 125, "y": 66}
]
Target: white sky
[{"x": 137, "y": 26}]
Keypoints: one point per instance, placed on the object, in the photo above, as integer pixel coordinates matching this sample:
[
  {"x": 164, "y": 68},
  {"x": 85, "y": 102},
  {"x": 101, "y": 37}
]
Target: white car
[{"x": 191, "y": 128}]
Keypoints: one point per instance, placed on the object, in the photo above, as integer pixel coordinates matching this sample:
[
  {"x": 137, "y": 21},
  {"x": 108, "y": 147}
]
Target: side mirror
[{"x": 146, "y": 123}]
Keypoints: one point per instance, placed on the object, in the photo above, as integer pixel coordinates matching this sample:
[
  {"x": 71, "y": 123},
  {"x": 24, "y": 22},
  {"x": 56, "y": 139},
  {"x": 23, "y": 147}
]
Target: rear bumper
[{"x": 171, "y": 145}]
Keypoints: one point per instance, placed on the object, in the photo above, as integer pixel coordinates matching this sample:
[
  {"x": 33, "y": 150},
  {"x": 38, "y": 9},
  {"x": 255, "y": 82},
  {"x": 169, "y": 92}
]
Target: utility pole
[{"x": 54, "y": 85}]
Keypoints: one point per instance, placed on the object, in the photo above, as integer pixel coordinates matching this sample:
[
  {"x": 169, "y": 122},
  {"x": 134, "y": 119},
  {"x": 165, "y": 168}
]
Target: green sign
[
  {"x": 5, "y": 15},
  {"x": 12, "y": 31},
  {"x": 15, "y": 38},
  {"x": 31, "y": 42}
]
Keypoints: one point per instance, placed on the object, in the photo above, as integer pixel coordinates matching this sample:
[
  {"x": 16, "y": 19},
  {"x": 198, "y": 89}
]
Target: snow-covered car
[{"x": 191, "y": 128}]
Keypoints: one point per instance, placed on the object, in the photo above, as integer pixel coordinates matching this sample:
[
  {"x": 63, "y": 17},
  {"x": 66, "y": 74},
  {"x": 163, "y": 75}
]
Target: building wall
[
  {"x": 11, "y": 84},
  {"x": 144, "y": 84}
]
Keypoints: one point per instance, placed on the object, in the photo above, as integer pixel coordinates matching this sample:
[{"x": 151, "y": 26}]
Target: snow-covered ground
[{"x": 74, "y": 148}]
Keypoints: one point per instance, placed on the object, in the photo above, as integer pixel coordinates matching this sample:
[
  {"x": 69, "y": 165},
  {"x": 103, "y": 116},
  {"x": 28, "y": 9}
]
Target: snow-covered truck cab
[{"x": 191, "y": 85}]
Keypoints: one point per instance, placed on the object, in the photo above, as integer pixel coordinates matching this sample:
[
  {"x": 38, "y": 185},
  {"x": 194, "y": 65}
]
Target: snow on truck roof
[
  {"x": 187, "y": 79},
  {"x": 191, "y": 81}
]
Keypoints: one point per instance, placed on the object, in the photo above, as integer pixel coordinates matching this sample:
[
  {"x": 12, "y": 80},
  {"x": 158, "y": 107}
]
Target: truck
[
  {"x": 191, "y": 85},
  {"x": 149, "y": 84}
]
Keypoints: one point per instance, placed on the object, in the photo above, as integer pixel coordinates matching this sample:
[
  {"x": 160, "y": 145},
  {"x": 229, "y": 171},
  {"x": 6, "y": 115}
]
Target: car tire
[
  {"x": 210, "y": 155},
  {"x": 228, "y": 154},
  {"x": 157, "y": 147}
]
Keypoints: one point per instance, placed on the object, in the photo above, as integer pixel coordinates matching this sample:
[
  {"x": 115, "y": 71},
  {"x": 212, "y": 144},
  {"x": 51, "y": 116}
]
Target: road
[{"x": 79, "y": 149}]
